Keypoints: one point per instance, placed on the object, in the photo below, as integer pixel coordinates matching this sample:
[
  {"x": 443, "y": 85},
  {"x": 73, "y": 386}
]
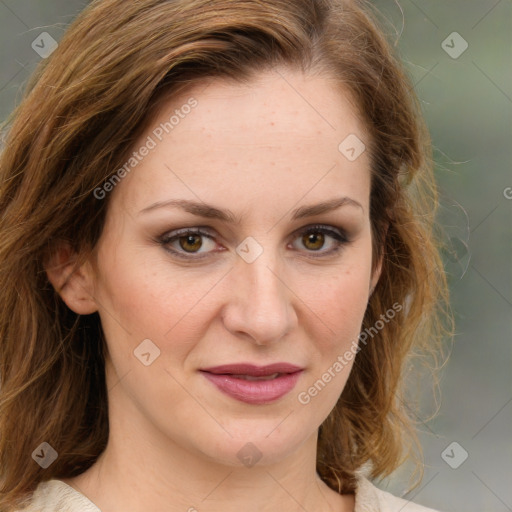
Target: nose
[{"x": 260, "y": 304}]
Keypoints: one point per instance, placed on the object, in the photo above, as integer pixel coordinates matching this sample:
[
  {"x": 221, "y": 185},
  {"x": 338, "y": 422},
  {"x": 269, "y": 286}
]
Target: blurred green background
[
  {"x": 467, "y": 102},
  {"x": 458, "y": 54}
]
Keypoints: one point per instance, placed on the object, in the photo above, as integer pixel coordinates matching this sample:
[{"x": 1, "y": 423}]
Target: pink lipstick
[{"x": 254, "y": 384}]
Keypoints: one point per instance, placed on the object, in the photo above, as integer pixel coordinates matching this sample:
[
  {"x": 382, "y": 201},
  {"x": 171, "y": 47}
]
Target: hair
[{"x": 80, "y": 115}]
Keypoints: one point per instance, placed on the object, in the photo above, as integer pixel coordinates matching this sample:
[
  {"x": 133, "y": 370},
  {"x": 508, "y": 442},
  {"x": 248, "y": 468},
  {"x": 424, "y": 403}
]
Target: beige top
[{"x": 56, "y": 496}]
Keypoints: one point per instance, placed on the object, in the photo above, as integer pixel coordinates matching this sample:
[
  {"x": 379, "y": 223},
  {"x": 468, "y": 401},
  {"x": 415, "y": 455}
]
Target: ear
[{"x": 73, "y": 284}]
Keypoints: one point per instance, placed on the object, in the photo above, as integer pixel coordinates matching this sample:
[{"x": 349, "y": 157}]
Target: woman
[{"x": 216, "y": 256}]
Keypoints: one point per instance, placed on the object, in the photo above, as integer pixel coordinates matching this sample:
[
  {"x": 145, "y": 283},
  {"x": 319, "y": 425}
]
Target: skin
[{"x": 260, "y": 150}]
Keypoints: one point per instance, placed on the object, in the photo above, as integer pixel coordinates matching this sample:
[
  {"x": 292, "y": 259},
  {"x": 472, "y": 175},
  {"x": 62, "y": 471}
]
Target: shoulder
[
  {"x": 370, "y": 498},
  {"x": 56, "y": 496}
]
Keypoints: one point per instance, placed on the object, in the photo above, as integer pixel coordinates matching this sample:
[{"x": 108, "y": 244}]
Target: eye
[
  {"x": 314, "y": 238},
  {"x": 187, "y": 241}
]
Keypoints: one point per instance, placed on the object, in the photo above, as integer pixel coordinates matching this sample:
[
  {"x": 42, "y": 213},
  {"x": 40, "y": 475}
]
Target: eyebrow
[{"x": 201, "y": 209}]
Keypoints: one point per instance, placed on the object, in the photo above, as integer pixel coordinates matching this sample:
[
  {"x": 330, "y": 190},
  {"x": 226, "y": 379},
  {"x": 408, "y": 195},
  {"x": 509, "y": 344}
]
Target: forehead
[{"x": 273, "y": 139}]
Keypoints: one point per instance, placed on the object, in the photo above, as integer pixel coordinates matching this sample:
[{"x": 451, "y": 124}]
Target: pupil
[
  {"x": 315, "y": 239},
  {"x": 190, "y": 240}
]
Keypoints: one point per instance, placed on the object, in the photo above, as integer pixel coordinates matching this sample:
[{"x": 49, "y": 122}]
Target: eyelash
[{"x": 337, "y": 234}]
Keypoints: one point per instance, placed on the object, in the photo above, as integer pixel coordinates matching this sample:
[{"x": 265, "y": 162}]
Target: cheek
[
  {"x": 143, "y": 299},
  {"x": 337, "y": 301},
  {"x": 336, "y": 313},
  {"x": 343, "y": 309}
]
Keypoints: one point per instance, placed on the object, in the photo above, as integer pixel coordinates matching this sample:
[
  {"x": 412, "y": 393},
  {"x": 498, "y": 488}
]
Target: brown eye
[
  {"x": 190, "y": 243},
  {"x": 313, "y": 240},
  {"x": 322, "y": 240}
]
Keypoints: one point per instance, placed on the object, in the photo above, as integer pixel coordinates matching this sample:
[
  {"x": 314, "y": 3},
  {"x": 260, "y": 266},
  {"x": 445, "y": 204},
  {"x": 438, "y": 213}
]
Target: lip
[{"x": 227, "y": 379}]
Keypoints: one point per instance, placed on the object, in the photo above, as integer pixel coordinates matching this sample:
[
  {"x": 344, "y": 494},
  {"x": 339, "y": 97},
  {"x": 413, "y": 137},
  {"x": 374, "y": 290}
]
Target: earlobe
[{"x": 73, "y": 283}]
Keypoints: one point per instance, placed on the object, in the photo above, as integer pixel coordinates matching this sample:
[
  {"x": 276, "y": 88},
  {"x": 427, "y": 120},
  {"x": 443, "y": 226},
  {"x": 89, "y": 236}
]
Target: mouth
[{"x": 254, "y": 384}]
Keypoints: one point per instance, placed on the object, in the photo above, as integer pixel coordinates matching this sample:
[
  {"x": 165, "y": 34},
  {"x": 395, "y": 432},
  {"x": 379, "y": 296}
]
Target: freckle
[{"x": 272, "y": 123}]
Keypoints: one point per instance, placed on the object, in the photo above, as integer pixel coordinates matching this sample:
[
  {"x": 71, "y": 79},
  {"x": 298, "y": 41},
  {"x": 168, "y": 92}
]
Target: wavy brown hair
[{"x": 81, "y": 113}]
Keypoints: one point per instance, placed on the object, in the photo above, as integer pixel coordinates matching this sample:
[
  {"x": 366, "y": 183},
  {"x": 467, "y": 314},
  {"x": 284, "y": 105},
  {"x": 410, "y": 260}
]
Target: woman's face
[{"x": 276, "y": 270}]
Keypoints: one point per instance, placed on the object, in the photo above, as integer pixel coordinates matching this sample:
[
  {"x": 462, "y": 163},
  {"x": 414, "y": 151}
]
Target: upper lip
[{"x": 252, "y": 370}]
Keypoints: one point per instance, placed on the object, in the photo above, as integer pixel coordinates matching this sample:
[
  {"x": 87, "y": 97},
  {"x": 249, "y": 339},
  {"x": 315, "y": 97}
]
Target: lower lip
[{"x": 254, "y": 391}]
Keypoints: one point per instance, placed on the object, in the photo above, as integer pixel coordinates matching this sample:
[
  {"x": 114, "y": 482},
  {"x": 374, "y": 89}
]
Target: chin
[{"x": 262, "y": 442}]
